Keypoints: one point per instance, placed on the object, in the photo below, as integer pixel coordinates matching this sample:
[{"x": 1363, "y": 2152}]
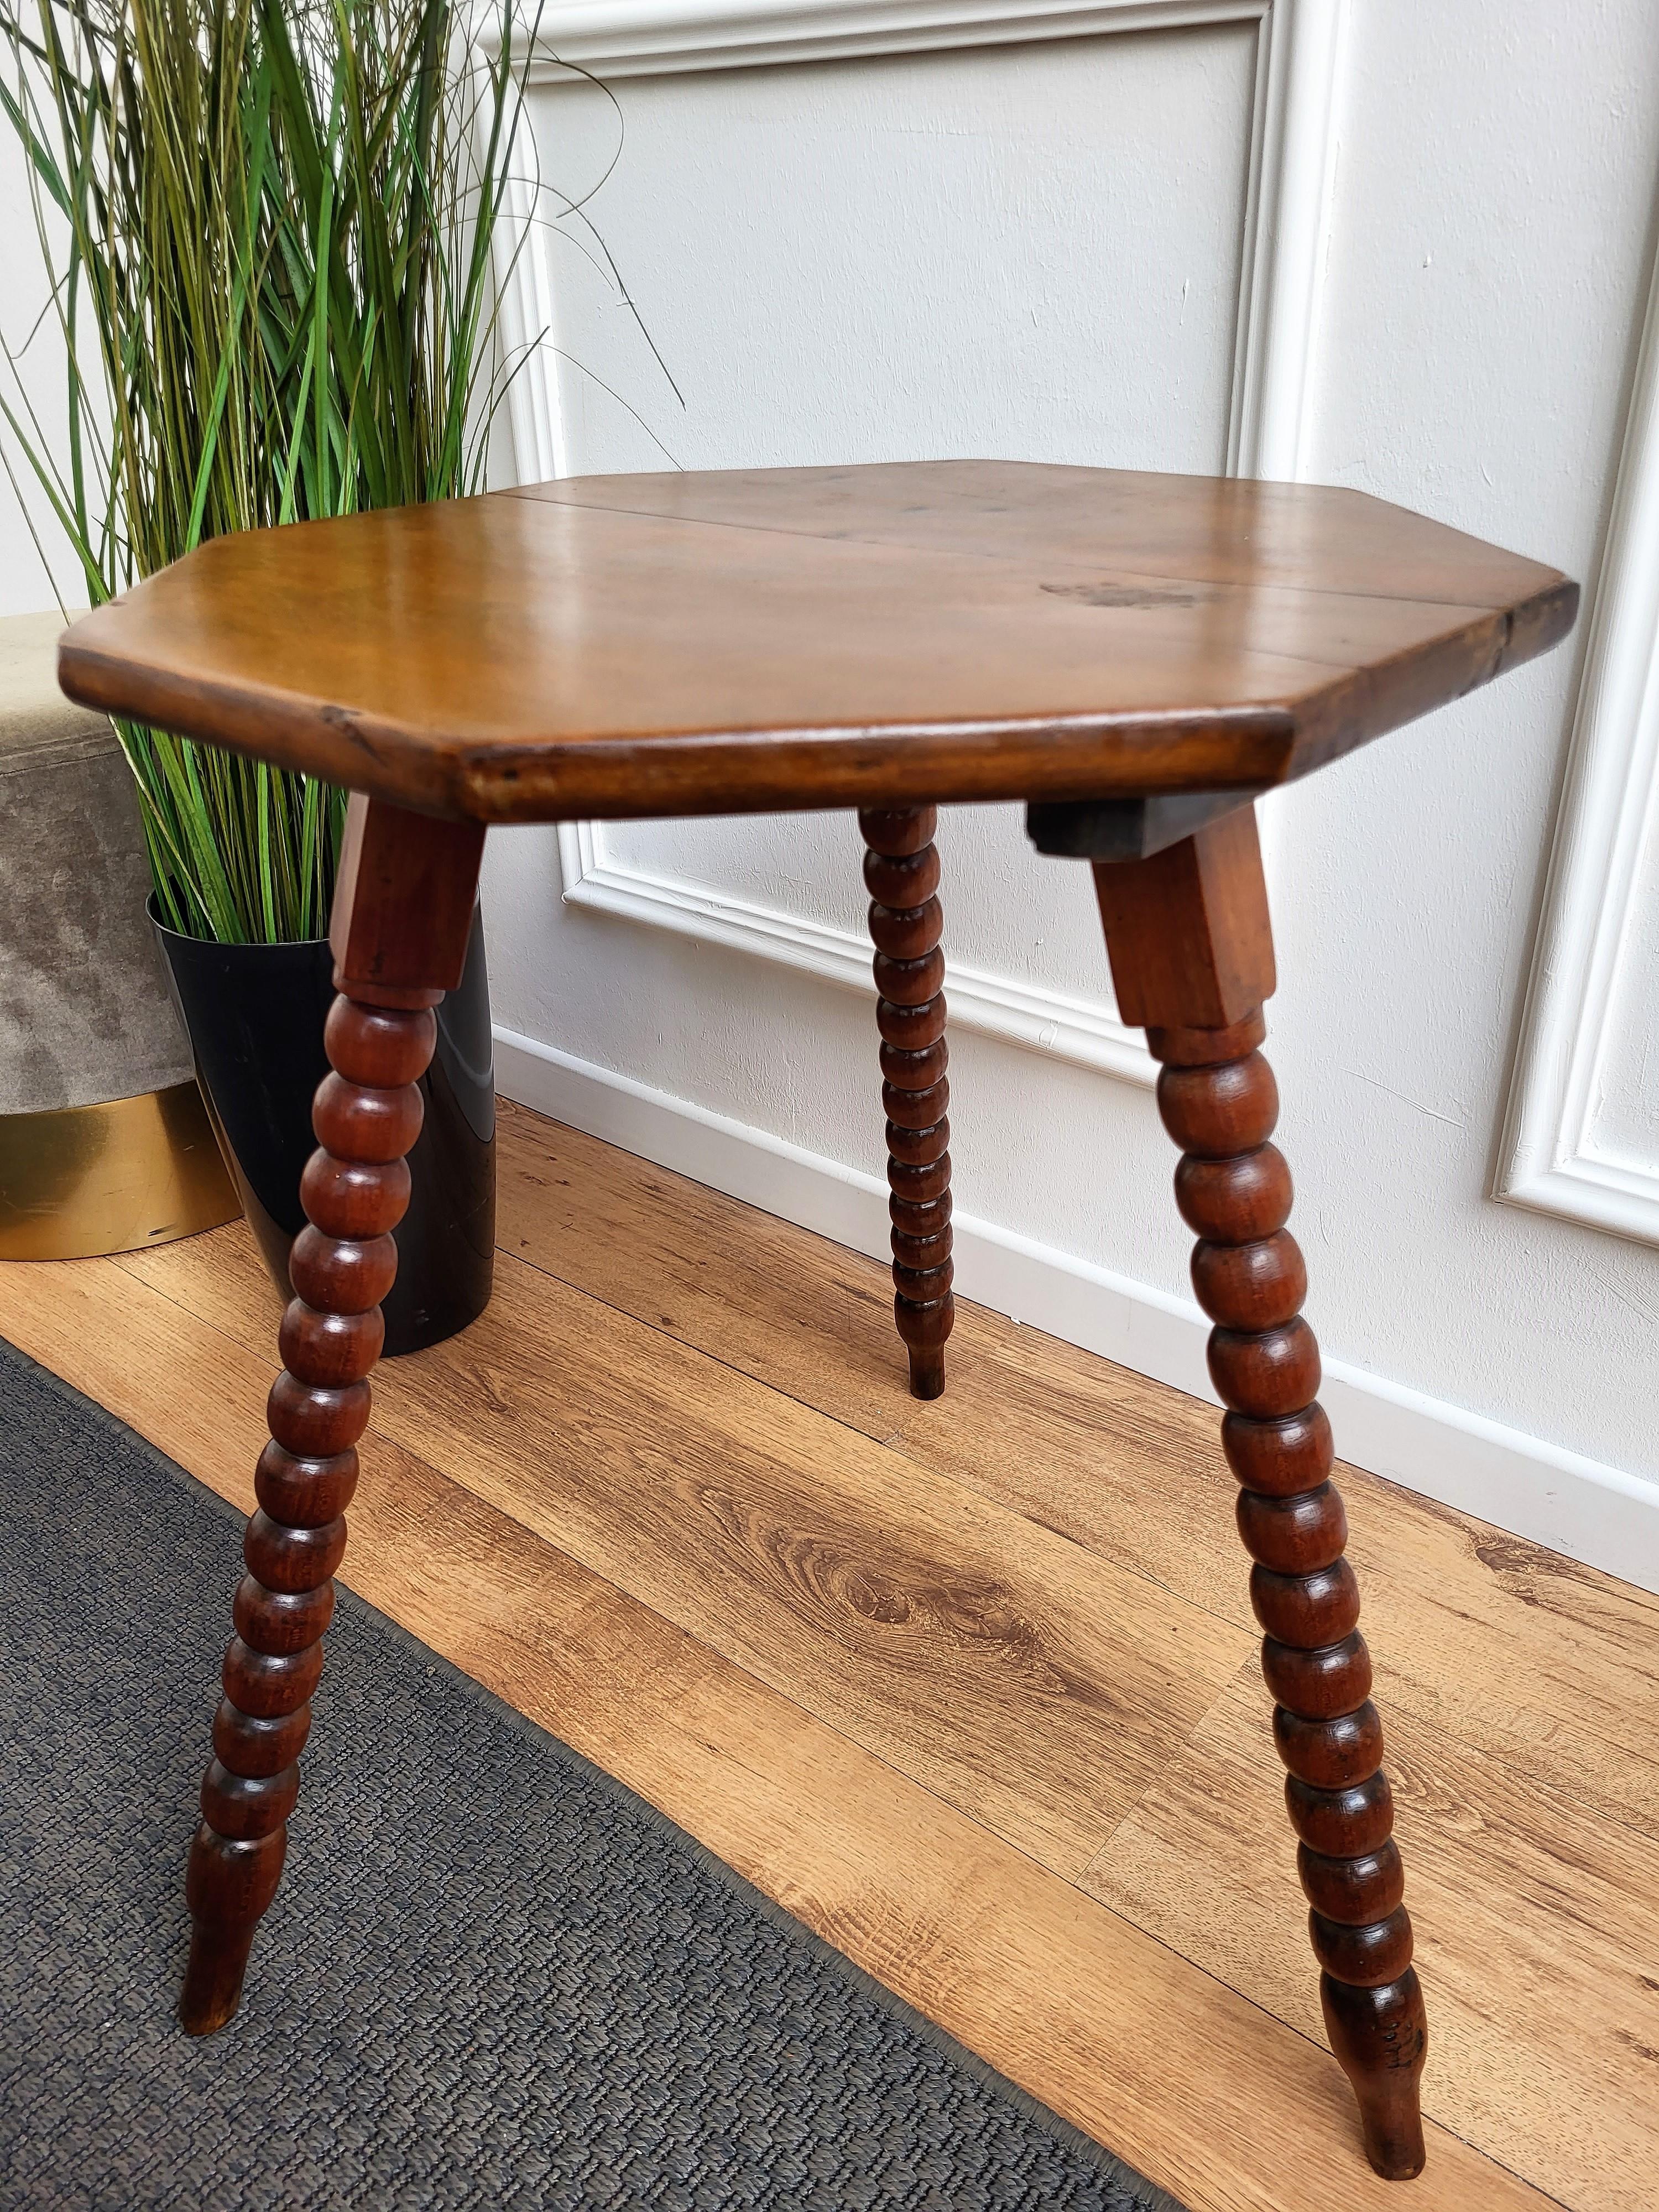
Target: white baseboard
[{"x": 1578, "y": 1506}]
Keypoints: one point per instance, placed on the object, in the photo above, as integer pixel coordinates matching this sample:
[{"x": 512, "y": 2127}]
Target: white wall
[
  {"x": 1034, "y": 249},
  {"x": 37, "y": 571}
]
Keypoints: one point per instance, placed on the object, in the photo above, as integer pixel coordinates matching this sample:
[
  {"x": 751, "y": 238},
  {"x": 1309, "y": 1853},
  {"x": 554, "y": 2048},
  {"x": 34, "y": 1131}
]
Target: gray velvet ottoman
[{"x": 105, "y": 1146}]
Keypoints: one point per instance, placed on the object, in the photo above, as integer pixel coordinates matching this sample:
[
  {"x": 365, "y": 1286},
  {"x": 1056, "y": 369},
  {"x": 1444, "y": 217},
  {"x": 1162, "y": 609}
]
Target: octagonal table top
[{"x": 780, "y": 638}]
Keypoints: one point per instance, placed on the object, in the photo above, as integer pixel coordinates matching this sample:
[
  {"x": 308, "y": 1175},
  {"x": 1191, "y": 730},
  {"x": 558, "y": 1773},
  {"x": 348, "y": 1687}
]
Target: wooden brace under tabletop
[{"x": 1133, "y": 657}]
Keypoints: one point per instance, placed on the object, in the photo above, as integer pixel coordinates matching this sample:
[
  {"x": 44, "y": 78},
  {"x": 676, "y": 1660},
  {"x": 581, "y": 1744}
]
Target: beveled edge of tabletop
[
  {"x": 699, "y": 771},
  {"x": 1114, "y": 753},
  {"x": 1108, "y": 756}
]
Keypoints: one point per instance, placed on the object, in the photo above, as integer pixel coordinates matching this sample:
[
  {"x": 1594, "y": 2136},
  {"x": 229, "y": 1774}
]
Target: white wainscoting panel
[
  {"x": 1291, "y": 141},
  {"x": 1292, "y": 164},
  {"x": 1591, "y": 1024}
]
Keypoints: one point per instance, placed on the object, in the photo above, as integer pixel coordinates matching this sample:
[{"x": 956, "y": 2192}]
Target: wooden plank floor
[{"x": 971, "y": 1687}]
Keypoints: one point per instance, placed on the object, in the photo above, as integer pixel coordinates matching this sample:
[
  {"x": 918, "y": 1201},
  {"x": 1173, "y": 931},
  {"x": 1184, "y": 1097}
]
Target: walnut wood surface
[
  {"x": 900, "y": 872},
  {"x": 895, "y": 635},
  {"x": 402, "y": 912},
  {"x": 403, "y": 903},
  {"x": 1532, "y": 1683},
  {"x": 1191, "y": 958}
]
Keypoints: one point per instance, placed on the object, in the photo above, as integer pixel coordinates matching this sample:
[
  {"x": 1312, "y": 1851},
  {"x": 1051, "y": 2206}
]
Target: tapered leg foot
[
  {"x": 1380, "y": 2037},
  {"x": 901, "y": 870},
  {"x": 213, "y": 1978},
  {"x": 926, "y": 1375}
]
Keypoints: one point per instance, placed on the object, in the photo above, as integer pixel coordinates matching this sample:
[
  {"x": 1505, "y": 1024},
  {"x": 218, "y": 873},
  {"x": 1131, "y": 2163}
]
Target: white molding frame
[
  {"x": 1549, "y": 1159},
  {"x": 1293, "y": 149},
  {"x": 1293, "y": 143},
  {"x": 1521, "y": 1483}
]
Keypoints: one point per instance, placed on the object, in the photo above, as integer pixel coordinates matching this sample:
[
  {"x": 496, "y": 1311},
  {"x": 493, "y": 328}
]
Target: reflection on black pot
[{"x": 254, "y": 1015}]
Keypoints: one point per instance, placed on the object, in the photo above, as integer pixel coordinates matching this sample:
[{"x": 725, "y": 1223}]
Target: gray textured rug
[{"x": 492, "y": 1977}]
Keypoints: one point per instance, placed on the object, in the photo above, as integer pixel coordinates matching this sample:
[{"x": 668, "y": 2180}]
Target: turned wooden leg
[
  {"x": 901, "y": 870},
  {"x": 1192, "y": 959},
  {"x": 401, "y": 919}
]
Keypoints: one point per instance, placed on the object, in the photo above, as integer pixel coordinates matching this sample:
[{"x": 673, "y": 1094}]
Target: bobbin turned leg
[
  {"x": 901, "y": 872},
  {"x": 402, "y": 913},
  {"x": 1192, "y": 960}
]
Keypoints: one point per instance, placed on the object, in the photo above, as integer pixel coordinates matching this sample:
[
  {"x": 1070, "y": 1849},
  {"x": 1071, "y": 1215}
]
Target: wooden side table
[{"x": 1134, "y": 656}]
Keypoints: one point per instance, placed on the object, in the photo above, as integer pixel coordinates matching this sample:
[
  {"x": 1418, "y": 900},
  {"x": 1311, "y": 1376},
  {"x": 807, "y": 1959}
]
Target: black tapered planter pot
[{"x": 254, "y": 1016}]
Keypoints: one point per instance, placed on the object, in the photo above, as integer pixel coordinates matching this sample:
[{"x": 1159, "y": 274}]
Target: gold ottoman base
[{"x": 86, "y": 1179}]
